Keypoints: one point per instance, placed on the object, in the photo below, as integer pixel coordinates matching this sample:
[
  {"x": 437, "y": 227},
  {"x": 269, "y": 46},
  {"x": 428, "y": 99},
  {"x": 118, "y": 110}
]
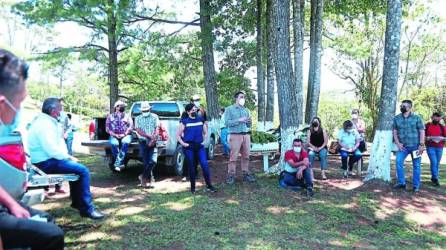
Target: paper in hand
[{"x": 416, "y": 154}]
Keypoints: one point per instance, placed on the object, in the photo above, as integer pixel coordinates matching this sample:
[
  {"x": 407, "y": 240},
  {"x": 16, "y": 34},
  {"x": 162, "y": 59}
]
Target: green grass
[{"x": 257, "y": 216}]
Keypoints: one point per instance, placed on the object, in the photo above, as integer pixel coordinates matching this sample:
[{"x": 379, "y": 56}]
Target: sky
[{"x": 70, "y": 34}]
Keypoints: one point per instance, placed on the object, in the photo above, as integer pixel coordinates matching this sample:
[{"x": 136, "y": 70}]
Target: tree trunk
[
  {"x": 260, "y": 70},
  {"x": 207, "y": 39},
  {"x": 314, "y": 76},
  {"x": 112, "y": 55},
  {"x": 284, "y": 72},
  {"x": 379, "y": 165},
  {"x": 270, "y": 91},
  {"x": 298, "y": 24}
]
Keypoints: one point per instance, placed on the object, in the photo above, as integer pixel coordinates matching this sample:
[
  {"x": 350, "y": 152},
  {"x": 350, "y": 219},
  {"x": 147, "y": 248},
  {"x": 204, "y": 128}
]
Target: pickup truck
[{"x": 170, "y": 152}]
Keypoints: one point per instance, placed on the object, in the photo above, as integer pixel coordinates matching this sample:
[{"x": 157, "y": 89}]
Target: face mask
[
  {"x": 350, "y": 130},
  {"x": 197, "y": 104},
  {"x": 145, "y": 114},
  {"x": 121, "y": 109},
  {"x": 315, "y": 124},
  {"x": 403, "y": 109},
  {"x": 7, "y": 129},
  {"x": 193, "y": 114},
  {"x": 241, "y": 102},
  {"x": 354, "y": 116},
  {"x": 297, "y": 149},
  {"x": 435, "y": 122}
]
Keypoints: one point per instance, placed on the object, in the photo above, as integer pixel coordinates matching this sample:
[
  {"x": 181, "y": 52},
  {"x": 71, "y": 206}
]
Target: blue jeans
[
  {"x": 119, "y": 155},
  {"x": 80, "y": 189},
  {"x": 434, "y": 154},
  {"x": 322, "y": 156},
  {"x": 351, "y": 157},
  {"x": 290, "y": 179},
  {"x": 193, "y": 152},
  {"x": 400, "y": 172},
  {"x": 69, "y": 142},
  {"x": 224, "y": 141},
  {"x": 149, "y": 158}
]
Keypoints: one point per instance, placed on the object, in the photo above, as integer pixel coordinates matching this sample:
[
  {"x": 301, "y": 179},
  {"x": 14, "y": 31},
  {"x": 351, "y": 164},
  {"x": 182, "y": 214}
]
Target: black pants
[{"x": 26, "y": 233}]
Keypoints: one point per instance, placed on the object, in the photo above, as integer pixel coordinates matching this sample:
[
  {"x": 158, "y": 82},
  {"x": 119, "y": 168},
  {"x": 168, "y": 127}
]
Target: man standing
[
  {"x": 49, "y": 153},
  {"x": 17, "y": 230},
  {"x": 119, "y": 126},
  {"x": 238, "y": 122},
  {"x": 435, "y": 137},
  {"x": 408, "y": 134},
  {"x": 146, "y": 126}
]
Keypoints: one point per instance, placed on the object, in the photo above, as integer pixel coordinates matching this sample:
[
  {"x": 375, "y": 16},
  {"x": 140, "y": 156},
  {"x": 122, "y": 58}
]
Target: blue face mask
[{"x": 7, "y": 129}]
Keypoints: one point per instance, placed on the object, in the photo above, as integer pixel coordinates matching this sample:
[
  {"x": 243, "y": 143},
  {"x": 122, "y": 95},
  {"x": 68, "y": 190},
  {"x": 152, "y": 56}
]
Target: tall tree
[
  {"x": 379, "y": 165},
  {"x": 207, "y": 40},
  {"x": 298, "y": 25},
  {"x": 284, "y": 72},
  {"x": 260, "y": 69},
  {"x": 270, "y": 80},
  {"x": 314, "y": 75}
]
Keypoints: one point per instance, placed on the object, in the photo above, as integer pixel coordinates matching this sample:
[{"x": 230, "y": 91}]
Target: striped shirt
[{"x": 148, "y": 124}]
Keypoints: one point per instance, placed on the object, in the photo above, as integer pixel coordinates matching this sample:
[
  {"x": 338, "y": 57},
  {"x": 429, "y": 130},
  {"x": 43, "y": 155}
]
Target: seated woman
[
  {"x": 349, "y": 140},
  {"x": 317, "y": 144}
]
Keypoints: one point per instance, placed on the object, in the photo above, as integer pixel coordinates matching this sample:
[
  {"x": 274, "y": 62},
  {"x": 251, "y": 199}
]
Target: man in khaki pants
[{"x": 238, "y": 122}]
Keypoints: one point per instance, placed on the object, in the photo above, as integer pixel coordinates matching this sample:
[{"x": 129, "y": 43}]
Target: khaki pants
[{"x": 239, "y": 144}]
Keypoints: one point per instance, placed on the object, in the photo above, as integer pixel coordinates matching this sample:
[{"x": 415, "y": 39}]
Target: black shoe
[
  {"x": 310, "y": 192},
  {"x": 75, "y": 206},
  {"x": 399, "y": 186},
  {"x": 249, "y": 178},
  {"x": 95, "y": 215},
  {"x": 192, "y": 191},
  {"x": 230, "y": 180},
  {"x": 211, "y": 189},
  {"x": 416, "y": 189},
  {"x": 435, "y": 182}
]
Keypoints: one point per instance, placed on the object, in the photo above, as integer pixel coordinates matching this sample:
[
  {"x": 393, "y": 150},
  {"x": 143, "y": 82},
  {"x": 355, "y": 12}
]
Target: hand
[
  {"x": 428, "y": 138},
  {"x": 421, "y": 149},
  {"x": 299, "y": 174},
  {"x": 19, "y": 212},
  {"x": 185, "y": 145},
  {"x": 401, "y": 147},
  {"x": 319, "y": 149}
]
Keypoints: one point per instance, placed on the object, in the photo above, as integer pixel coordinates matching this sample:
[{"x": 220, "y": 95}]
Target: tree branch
[{"x": 140, "y": 18}]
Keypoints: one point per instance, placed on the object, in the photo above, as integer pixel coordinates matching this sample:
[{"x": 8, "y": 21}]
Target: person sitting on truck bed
[
  {"x": 17, "y": 230},
  {"x": 146, "y": 126},
  {"x": 49, "y": 153},
  {"x": 119, "y": 125}
]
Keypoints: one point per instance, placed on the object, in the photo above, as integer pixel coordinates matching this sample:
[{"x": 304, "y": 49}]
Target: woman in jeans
[
  {"x": 317, "y": 144},
  {"x": 349, "y": 140},
  {"x": 191, "y": 133}
]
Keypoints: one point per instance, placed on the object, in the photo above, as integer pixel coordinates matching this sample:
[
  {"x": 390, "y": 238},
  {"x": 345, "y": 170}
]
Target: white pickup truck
[{"x": 170, "y": 152}]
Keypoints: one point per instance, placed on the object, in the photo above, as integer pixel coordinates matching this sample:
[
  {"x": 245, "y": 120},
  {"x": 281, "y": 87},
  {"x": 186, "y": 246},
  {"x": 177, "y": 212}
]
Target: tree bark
[
  {"x": 112, "y": 55},
  {"x": 207, "y": 39},
  {"x": 260, "y": 70},
  {"x": 270, "y": 90},
  {"x": 379, "y": 165},
  {"x": 284, "y": 72},
  {"x": 298, "y": 25},
  {"x": 314, "y": 76}
]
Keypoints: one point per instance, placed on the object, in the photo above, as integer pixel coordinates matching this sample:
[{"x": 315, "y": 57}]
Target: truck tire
[
  {"x": 178, "y": 161},
  {"x": 211, "y": 149}
]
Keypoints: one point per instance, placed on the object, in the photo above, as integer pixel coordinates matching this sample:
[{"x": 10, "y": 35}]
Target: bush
[{"x": 262, "y": 137}]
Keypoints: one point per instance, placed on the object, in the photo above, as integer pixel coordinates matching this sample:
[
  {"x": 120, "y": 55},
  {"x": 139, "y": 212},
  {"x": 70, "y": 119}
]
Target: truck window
[{"x": 162, "y": 109}]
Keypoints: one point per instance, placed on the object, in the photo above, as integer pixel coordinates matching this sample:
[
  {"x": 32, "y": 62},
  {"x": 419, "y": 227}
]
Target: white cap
[
  {"x": 119, "y": 102},
  {"x": 145, "y": 106}
]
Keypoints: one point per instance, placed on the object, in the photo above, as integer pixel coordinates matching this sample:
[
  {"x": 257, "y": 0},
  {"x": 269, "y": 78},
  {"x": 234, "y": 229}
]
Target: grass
[{"x": 251, "y": 216}]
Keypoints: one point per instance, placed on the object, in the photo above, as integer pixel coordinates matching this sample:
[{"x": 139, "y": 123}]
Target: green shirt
[
  {"x": 232, "y": 115},
  {"x": 148, "y": 124},
  {"x": 408, "y": 129}
]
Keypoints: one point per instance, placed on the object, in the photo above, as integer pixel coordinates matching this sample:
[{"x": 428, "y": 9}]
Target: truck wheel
[
  {"x": 211, "y": 149},
  {"x": 179, "y": 158}
]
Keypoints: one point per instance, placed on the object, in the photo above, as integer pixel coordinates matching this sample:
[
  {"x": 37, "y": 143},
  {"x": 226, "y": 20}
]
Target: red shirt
[
  {"x": 291, "y": 155},
  {"x": 435, "y": 130},
  {"x": 91, "y": 128}
]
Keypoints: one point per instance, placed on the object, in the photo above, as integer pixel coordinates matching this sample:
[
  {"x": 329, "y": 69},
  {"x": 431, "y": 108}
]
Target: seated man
[
  {"x": 119, "y": 126},
  {"x": 297, "y": 169},
  {"x": 16, "y": 229},
  {"x": 49, "y": 152}
]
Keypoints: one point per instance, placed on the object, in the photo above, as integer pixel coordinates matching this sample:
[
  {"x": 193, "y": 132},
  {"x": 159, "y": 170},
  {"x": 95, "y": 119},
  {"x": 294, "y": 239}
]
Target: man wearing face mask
[
  {"x": 17, "y": 230},
  {"x": 238, "y": 122},
  {"x": 435, "y": 137},
  {"x": 119, "y": 126},
  {"x": 49, "y": 153},
  {"x": 146, "y": 126},
  {"x": 297, "y": 169},
  {"x": 408, "y": 134}
]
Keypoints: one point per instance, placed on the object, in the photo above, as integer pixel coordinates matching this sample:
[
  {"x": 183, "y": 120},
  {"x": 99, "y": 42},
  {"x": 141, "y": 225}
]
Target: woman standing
[
  {"x": 191, "y": 133},
  {"x": 317, "y": 144}
]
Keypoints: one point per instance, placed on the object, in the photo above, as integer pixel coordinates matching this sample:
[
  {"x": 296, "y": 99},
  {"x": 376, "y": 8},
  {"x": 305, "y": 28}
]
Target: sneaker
[
  {"x": 345, "y": 176},
  {"x": 249, "y": 178},
  {"x": 211, "y": 189},
  {"x": 230, "y": 180},
  {"x": 399, "y": 186},
  {"x": 142, "y": 181},
  {"x": 416, "y": 189},
  {"x": 435, "y": 182},
  {"x": 118, "y": 169},
  {"x": 310, "y": 192}
]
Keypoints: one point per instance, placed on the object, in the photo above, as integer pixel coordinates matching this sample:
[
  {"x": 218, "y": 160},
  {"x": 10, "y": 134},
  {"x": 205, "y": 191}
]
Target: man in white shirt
[{"x": 49, "y": 152}]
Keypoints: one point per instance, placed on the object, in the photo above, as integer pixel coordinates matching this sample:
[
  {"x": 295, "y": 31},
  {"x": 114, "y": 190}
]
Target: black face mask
[
  {"x": 403, "y": 109},
  {"x": 435, "y": 122},
  {"x": 193, "y": 114},
  {"x": 121, "y": 109},
  {"x": 315, "y": 124}
]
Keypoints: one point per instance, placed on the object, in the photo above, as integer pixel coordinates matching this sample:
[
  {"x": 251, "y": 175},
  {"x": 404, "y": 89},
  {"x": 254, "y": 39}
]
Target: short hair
[
  {"x": 347, "y": 124},
  {"x": 69, "y": 116},
  {"x": 222, "y": 110},
  {"x": 13, "y": 71},
  {"x": 236, "y": 95},
  {"x": 355, "y": 111},
  {"x": 437, "y": 114},
  {"x": 408, "y": 102},
  {"x": 50, "y": 104},
  {"x": 297, "y": 140}
]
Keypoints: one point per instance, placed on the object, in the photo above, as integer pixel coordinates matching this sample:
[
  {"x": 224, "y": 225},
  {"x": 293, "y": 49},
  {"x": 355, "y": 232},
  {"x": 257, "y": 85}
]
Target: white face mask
[
  {"x": 242, "y": 102},
  {"x": 297, "y": 149},
  {"x": 349, "y": 130},
  {"x": 197, "y": 104},
  {"x": 354, "y": 116},
  {"x": 145, "y": 114}
]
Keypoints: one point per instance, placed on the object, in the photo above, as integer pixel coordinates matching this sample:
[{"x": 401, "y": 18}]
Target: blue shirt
[
  {"x": 348, "y": 138},
  {"x": 193, "y": 129}
]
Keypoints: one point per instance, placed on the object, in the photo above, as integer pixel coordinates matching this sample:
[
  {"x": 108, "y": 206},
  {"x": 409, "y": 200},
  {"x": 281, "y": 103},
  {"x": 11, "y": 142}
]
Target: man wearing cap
[
  {"x": 119, "y": 126},
  {"x": 146, "y": 126}
]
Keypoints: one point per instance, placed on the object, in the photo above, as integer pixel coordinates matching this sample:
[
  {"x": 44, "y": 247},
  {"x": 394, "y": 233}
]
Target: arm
[
  {"x": 361, "y": 126},
  {"x": 397, "y": 141},
  {"x": 422, "y": 139},
  {"x": 130, "y": 122},
  {"x": 300, "y": 164},
  {"x": 50, "y": 141},
  {"x": 14, "y": 207},
  {"x": 325, "y": 139},
  {"x": 179, "y": 133},
  {"x": 205, "y": 133},
  {"x": 309, "y": 141},
  {"x": 108, "y": 126}
]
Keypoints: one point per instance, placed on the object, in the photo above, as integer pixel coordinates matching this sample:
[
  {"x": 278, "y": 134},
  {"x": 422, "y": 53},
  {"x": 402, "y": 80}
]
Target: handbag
[{"x": 334, "y": 147}]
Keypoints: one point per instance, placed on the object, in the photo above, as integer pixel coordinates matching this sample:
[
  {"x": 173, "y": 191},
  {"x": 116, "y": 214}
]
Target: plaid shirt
[
  {"x": 148, "y": 124},
  {"x": 232, "y": 114},
  {"x": 408, "y": 129},
  {"x": 118, "y": 123}
]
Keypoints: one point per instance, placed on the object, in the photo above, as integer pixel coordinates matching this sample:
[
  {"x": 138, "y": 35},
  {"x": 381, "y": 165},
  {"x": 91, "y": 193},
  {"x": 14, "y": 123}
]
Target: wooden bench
[{"x": 359, "y": 164}]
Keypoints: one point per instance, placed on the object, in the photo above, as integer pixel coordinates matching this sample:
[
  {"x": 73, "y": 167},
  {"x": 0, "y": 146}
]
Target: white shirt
[{"x": 45, "y": 139}]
